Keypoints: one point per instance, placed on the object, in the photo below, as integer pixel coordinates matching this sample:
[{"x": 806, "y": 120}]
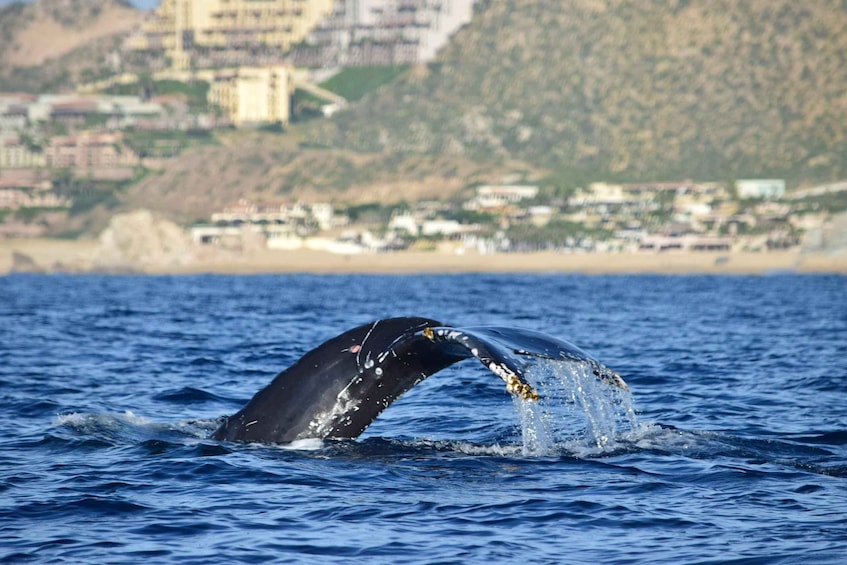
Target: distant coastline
[{"x": 52, "y": 256}]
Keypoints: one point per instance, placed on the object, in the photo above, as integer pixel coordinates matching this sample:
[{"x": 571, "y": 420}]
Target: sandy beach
[{"x": 47, "y": 255}]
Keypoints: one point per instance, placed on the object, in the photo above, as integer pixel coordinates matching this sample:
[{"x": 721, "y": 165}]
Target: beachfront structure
[
  {"x": 405, "y": 222},
  {"x": 760, "y": 188},
  {"x": 498, "y": 197},
  {"x": 230, "y": 32},
  {"x": 254, "y": 95},
  {"x": 383, "y": 32},
  {"x": 320, "y": 215}
]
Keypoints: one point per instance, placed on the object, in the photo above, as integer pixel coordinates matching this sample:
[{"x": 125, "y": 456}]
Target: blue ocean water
[{"x": 736, "y": 451}]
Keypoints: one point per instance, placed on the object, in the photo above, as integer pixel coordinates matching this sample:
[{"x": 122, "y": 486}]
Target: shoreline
[{"x": 80, "y": 256}]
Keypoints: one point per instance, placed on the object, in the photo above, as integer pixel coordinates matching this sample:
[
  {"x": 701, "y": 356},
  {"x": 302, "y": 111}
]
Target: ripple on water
[{"x": 112, "y": 385}]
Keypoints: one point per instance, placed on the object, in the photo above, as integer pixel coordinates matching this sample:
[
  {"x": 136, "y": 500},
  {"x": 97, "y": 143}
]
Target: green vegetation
[
  {"x": 471, "y": 217},
  {"x": 355, "y": 82},
  {"x": 86, "y": 193},
  {"x": 12, "y": 18},
  {"x": 195, "y": 92},
  {"x": 30, "y": 142},
  {"x": 306, "y": 106},
  {"x": 27, "y": 215},
  {"x": 165, "y": 143},
  {"x": 374, "y": 213},
  {"x": 96, "y": 120},
  {"x": 274, "y": 127},
  {"x": 832, "y": 202},
  {"x": 556, "y": 232}
]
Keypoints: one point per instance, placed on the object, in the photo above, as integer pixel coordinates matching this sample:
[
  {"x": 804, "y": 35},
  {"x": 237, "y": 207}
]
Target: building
[
  {"x": 499, "y": 197},
  {"x": 254, "y": 95},
  {"x": 383, "y": 32},
  {"x": 11, "y": 199},
  {"x": 16, "y": 154},
  {"x": 13, "y": 117},
  {"x": 89, "y": 151},
  {"x": 768, "y": 189},
  {"x": 28, "y": 189},
  {"x": 207, "y": 33},
  {"x": 405, "y": 222}
]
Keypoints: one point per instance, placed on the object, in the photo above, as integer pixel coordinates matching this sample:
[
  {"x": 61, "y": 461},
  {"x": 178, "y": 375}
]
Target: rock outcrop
[{"x": 143, "y": 241}]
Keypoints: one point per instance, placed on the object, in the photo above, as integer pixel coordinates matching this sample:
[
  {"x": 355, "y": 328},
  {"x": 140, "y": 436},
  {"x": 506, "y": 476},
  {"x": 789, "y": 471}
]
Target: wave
[
  {"x": 577, "y": 417},
  {"x": 129, "y": 428}
]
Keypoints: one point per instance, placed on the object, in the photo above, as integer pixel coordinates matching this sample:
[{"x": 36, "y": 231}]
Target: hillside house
[{"x": 89, "y": 150}]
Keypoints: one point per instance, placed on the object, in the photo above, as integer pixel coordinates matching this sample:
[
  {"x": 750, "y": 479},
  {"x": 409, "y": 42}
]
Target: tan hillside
[
  {"x": 270, "y": 168},
  {"x": 632, "y": 90},
  {"x": 49, "y": 29},
  {"x": 52, "y": 45}
]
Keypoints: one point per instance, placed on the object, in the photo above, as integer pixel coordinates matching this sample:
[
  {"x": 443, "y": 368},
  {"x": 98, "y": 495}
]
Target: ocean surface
[{"x": 731, "y": 446}]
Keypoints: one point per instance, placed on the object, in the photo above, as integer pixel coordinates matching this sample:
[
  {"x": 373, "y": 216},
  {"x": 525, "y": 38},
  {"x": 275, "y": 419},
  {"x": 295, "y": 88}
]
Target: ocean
[{"x": 731, "y": 446}]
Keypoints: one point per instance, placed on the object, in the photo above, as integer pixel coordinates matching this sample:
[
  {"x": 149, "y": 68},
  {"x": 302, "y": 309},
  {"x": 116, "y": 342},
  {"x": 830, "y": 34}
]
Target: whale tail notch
[{"x": 339, "y": 388}]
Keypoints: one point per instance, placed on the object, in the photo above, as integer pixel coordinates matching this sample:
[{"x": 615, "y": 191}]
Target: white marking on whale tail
[{"x": 323, "y": 422}]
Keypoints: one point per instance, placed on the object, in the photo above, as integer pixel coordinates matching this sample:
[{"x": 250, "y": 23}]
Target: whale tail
[{"x": 339, "y": 388}]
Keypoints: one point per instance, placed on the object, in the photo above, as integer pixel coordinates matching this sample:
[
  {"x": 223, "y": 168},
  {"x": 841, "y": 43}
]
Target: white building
[
  {"x": 369, "y": 32},
  {"x": 442, "y": 227},
  {"x": 769, "y": 189},
  {"x": 490, "y": 197},
  {"x": 323, "y": 214},
  {"x": 254, "y": 95},
  {"x": 404, "y": 222}
]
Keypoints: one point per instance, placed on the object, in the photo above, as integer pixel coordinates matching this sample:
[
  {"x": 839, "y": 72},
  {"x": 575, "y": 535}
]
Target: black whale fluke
[{"x": 340, "y": 387}]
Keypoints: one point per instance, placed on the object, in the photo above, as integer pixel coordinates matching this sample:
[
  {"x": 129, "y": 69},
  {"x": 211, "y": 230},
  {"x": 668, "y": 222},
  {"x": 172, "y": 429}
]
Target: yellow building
[
  {"x": 254, "y": 95},
  {"x": 185, "y": 28},
  {"x": 14, "y": 154}
]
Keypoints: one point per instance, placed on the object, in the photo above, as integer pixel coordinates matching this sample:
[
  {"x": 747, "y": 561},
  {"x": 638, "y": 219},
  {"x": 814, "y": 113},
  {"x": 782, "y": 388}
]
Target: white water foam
[
  {"x": 131, "y": 427},
  {"x": 576, "y": 412},
  {"x": 89, "y": 422},
  {"x": 307, "y": 444}
]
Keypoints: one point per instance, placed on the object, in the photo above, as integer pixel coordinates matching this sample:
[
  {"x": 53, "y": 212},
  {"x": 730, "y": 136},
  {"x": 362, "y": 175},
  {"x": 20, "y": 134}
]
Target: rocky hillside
[
  {"x": 630, "y": 90},
  {"x": 52, "y": 44}
]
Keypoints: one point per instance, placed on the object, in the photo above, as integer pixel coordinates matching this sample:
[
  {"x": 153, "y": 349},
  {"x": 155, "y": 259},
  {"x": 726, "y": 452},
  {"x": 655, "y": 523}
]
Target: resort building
[
  {"x": 382, "y": 32},
  {"x": 16, "y": 154},
  {"x": 89, "y": 150},
  {"x": 254, "y": 95},
  {"x": 760, "y": 188},
  {"x": 207, "y": 33}
]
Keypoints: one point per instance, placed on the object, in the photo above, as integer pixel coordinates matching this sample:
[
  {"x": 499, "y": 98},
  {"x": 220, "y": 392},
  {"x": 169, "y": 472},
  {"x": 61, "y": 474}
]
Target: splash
[
  {"x": 129, "y": 427},
  {"x": 576, "y": 411}
]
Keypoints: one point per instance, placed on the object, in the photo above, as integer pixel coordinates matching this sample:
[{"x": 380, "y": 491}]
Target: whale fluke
[{"x": 340, "y": 387}]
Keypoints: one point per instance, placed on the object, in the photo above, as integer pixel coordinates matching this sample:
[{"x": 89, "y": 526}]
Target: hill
[
  {"x": 52, "y": 44},
  {"x": 269, "y": 167},
  {"x": 626, "y": 90}
]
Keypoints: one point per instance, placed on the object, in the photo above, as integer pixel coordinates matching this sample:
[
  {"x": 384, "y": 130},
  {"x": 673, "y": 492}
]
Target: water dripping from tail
[{"x": 576, "y": 412}]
